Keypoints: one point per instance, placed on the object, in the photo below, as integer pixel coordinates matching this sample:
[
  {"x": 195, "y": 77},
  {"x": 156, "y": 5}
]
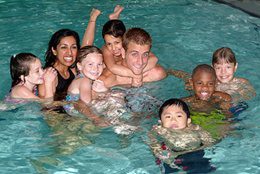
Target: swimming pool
[{"x": 185, "y": 33}]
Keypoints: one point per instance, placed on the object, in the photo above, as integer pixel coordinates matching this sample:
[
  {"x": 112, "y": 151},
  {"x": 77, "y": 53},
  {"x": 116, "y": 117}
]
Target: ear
[
  {"x": 22, "y": 78},
  {"x": 79, "y": 66},
  {"x": 189, "y": 121},
  {"x": 236, "y": 67},
  {"x": 54, "y": 51},
  {"x": 190, "y": 82},
  {"x": 123, "y": 52}
]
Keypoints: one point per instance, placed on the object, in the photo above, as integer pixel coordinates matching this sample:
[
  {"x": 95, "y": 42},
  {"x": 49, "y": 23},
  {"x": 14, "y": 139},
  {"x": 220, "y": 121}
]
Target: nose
[
  {"x": 173, "y": 118},
  {"x": 70, "y": 51},
  {"x": 223, "y": 70},
  {"x": 94, "y": 68},
  {"x": 204, "y": 86},
  {"x": 113, "y": 47},
  {"x": 139, "y": 60}
]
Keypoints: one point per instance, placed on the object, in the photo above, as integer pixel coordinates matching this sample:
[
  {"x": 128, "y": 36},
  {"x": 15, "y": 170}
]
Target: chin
[
  {"x": 137, "y": 71},
  {"x": 204, "y": 98},
  {"x": 40, "y": 82},
  {"x": 117, "y": 54}
]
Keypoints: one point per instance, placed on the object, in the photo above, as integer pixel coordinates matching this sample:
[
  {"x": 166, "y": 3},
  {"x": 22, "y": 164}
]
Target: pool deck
[{"x": 251, "y": 7}]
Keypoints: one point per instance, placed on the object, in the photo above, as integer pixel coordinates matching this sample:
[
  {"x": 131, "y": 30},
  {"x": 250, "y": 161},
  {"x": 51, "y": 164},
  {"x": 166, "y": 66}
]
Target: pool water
[{"x": 185, "y": 33}]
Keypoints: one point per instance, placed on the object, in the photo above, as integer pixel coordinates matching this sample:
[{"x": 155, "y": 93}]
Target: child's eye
[
  {"x": 100, "y": 64},
  {"x": 90, "y": 64},
  {"x": 63, "y": 47},
  {"x": 211, "y": 84},
  {"x": 179, "y": 116},
  {"x": 74, "y": 47},
  {"x": 167, "y": 116}
]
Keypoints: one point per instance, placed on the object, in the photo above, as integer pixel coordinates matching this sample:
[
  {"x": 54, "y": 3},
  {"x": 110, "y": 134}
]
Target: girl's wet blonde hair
[{"x": 84, "y": 51}]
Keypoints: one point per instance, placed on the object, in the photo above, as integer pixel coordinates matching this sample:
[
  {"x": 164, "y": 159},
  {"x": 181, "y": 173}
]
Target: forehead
[
  {"x": 93, "y": 57},
  {"x": 203, "y": 75},
  {"x": 109, "y": 37},
  {"x": 67, "y": 39},
  {"x": 224, "y": 63},
  {"x": 221, "y": 60},
  {"x": 139, "y": 48},
  {"x": 173, "y": 108},
  {"x": 36, "y": 63}
]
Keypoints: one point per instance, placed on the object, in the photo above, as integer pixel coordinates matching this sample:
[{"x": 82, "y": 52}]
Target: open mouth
[
  {"x": 204, "y": 95},
  {"x": 68, "y": 59}
]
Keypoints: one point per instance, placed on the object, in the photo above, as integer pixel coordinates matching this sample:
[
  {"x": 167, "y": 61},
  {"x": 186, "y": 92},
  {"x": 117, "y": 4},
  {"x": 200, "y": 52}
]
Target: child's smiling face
[
  {"x": 225, "y": 71},
  {"x": 174, "y": 117},
  {"x": 92, "y": 66},
  {"x": 203, "y": 85},
  {"x": 35, "y": 76},
  {"x": 114, "y": 44}
]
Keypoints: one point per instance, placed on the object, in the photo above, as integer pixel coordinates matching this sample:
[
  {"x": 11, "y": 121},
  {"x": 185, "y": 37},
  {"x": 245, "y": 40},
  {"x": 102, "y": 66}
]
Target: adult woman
[{"x": 61, "y": 55}]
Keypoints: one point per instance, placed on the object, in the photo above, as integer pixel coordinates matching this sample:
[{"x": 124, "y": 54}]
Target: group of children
[{"x": 75, "y": 72}]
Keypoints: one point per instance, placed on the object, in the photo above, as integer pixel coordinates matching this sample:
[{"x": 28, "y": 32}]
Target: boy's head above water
[
  {"x": 225, "y": 64},
  {"x": 203, "y": 81},
  {"x": 136, "y": 36},
  {"x": 174, "y": 114}
]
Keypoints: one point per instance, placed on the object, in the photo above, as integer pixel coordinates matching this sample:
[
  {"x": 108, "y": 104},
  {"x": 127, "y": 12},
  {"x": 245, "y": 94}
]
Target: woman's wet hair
[
  {"x": 20, "y": 66},
  {"x": 174, "y": 102},
  {"x": 223, "y": 54},
  {"x": 114, "y": 27},
  {"x": 50, "y": 58}
]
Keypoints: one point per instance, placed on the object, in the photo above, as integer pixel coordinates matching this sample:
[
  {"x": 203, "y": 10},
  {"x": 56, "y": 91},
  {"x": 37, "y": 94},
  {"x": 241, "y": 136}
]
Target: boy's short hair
[
  {"x": 114, "y": 27},
  {"x": 223, "y": 54},
  {"x": 138, "y": 36},
  {"x": 204, "y": 68},
  {"x": 174, "y": 102}
]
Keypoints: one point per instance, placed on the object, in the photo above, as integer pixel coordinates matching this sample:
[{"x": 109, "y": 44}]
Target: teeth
[
  {"x": 204, "y": 93},
  {"x": 68, "y": 58}
]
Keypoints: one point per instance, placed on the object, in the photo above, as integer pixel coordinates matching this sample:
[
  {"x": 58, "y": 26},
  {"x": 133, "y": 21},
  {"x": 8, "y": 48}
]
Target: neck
[
  {"x": 123, "y": 62},
  {"x": 62, "y": 69},
  {"x": 28, "y": 85}
]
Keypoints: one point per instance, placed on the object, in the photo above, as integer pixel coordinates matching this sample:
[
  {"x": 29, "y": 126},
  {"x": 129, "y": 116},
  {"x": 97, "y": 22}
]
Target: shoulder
[
  {"x": 20, "y": 91},
  {"x": 222, "y": 95},
  {"x": 193, "y": 127},
  {"x": 188, "y": 99},
  {"x": 84, "y": 83},
  {"x": 73, "y": 72},
  {"x": 241, "y": 80}
]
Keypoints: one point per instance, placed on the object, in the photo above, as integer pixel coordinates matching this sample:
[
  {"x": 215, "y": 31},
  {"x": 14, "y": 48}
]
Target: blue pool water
[{"x": 185, "y": 33}]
